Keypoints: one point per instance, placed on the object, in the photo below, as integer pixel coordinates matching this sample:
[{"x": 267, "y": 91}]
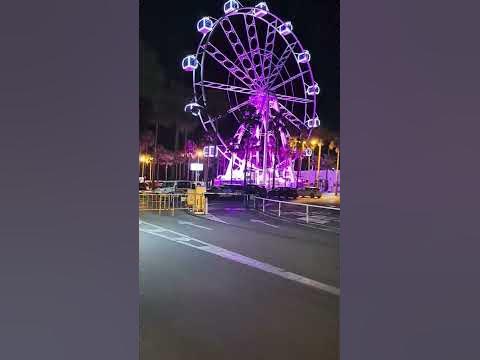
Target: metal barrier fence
[
  {"x": 322, "y": 216},
  {"x": 151, "y": 201}
]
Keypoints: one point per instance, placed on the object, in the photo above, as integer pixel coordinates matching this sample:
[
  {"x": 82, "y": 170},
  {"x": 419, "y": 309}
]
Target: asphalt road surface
[{"x": 237, "y": 285}]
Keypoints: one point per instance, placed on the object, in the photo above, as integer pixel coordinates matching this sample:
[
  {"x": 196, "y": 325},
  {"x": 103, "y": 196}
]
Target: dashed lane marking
[
  {"x": 215, "y": 218},
  {"x": 264, "y": 223},
  {"x": 233, "y": 256},
  {"x": 192, "y": 224}
]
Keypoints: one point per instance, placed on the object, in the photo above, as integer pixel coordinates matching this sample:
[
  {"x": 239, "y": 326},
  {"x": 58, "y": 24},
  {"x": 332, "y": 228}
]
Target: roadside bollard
[
  {"x": 306, "y": 217},
  {"x": 279, "y": 204},
  {"x": 263, "y": 206}
]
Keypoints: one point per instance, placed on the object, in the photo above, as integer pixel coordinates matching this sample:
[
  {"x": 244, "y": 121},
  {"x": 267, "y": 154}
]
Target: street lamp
[
  {"x": 150, "y": 161},
  {"x": 143, "y": 160},
  {"x": 146, "y": 159}
]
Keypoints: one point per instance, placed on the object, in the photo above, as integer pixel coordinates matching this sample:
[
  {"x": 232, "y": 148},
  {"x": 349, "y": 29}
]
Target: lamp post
[
  {"x": 199, "y": 155},
  {"x": 150, "y": 161},
  {"x": 308, "y": 159},
  {"x": 331, "y": 147}
]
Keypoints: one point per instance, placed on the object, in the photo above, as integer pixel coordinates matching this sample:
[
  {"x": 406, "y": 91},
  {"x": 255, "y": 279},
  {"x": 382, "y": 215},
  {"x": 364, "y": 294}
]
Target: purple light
[
  {"x": 285, "y": 28},
  {"x": 303, "y": 57},
  {"x": 261, "y": 9}
]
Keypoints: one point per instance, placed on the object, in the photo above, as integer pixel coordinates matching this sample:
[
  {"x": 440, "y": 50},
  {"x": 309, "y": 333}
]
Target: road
[{"x": 237, "y": 285}]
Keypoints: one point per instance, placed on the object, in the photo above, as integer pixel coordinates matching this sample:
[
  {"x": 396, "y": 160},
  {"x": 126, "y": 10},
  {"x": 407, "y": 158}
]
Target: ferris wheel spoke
[
  {"x": 294, "y": 99},
  {"x": 228, "y": 64},
  {"x": 238, "y": 48},
  {"x": 295, "y": 121},
  {"x": 269, "y": 45},
  {"x": 224, "y": 87},
  {"x": 280, "y": 64},
  {"x": 239, "y": 106},
  {"x": 253, "y": 44},
  {"x": 289, "y": 79}
]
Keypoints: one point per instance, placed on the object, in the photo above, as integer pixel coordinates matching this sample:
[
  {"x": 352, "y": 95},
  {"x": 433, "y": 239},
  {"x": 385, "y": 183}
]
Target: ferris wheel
[{"x": 252, "y": 84}]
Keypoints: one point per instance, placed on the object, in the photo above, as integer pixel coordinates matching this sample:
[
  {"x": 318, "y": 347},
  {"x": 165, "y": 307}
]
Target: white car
[
  {"x": 176, "y": 186},
  {"x": 312, "y": 192}
]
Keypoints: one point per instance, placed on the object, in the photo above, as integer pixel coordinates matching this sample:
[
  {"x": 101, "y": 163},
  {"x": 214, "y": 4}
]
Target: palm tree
[
  {"x": 165, "y": 157},
  {"x": 319, "y": 157},
  {"x": 337, "y": 150},
  {"x": 162, "y": 100},
  {"x": 299, "y": 148}
]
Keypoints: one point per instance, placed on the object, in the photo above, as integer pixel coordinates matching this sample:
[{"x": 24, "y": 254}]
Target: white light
[
  {"x": 210, "y": 151},
  {"x": 189, "y": 63},
  {"x": 205, "y": 25},
  {"x": 313, "y": 89},
  {"x": 285, "y": 28},
  {"x": 303, "y": 57},
  {"x": 313, "y": 123},
  {"x": 230, "y": 6},
  {"x": 193, "y": 107},
  {"x": 196, "y": 167},
  {"x": 260, "y": 9}
]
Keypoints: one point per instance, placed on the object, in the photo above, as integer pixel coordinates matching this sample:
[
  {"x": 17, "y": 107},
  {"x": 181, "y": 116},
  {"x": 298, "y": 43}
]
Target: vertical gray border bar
[
  {"x": 68, "y": 185},
  {"x": 409, "y": 128}
]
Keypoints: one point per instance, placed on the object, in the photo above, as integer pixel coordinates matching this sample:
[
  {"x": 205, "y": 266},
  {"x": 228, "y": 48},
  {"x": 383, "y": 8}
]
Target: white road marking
[
  {"x": 233, "y": 256},
  {"x": 264, "y": 223},
  {"x": 317, "y": 219},
  {"x": 192, "y": 224},
  {"x": 215, "y": 218}
]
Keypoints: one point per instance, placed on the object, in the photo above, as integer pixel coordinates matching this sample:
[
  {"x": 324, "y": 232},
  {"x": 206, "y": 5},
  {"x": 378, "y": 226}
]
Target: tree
[
  {"x": 161, "y": 100},
  {"x": 164, "y": 157},
  {"x": 298, "y": 148}
]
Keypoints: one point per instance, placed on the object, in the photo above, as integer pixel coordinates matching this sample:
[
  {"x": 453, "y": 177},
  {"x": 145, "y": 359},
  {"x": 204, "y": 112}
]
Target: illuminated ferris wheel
[{"x": 252, "y": 84}]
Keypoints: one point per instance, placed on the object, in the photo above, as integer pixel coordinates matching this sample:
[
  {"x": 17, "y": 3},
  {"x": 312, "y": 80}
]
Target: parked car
[
  {"x": 310, "y": 191},
  {"x": 256, "y": 190},
  {"x": 286, "y": 193},
  {"x": 231, "y": 189},
  {"x": 213, "y": 189},
  {"x": 176, "y": 186}
]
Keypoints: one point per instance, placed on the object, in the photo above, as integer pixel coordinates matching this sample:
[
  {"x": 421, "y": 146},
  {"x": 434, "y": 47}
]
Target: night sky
[{"x": 169, "y": 29}]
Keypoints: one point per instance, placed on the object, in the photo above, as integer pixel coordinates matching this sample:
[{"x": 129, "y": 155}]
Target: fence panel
[
  {"x": 321, "y": 216},
  {"x": 164, "y": 203}
]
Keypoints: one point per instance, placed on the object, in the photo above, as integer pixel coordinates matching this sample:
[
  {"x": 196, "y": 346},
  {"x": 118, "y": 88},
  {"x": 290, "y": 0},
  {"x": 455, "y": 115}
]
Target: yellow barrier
[
  {"x": 195, "y": 201},
  {"x": 200, "y": 200}
]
